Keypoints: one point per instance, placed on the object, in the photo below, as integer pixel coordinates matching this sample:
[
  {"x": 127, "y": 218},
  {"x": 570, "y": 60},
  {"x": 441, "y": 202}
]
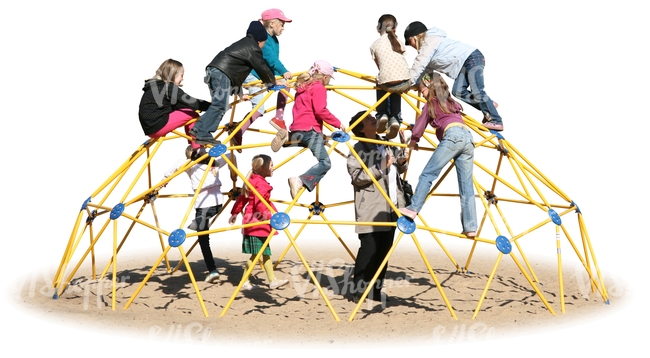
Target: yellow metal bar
[
  {"x": 559, "y": 266},
  {"x": 539, "y": 293},
  {"x": 67, "y": 253},
  {"x": 247, "y": 272},
  {"x": 113, "y": 298},
  {"x": 146, "y": 278},
  {"x": 487, "y": 285},
  {"x": 338, "y": 236}
]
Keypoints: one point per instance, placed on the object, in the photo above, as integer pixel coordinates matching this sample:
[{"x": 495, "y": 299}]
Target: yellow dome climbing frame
[{"x": 506, "y": 185}]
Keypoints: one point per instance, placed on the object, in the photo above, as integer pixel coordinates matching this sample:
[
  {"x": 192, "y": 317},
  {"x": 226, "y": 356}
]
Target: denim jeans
[
  {"x": 457, "y": 144},
  {"x": 255, "y": 100},
  {"x": 314, "y": 142},
  {"x": 219, "y": 85},
  {"x": 471, "y": 75}
]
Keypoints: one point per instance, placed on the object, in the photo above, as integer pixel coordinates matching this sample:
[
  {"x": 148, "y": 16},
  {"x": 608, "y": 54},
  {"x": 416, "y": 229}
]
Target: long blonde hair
[
  {"x": 260, "y": 165},
  {"x": 439, "y": 92},
  {"x": 386, "y": 25},
  {"x": 305, "y": 79},
  {"x": 168, "y": 70},
  {"x": 419, "y": 38}
]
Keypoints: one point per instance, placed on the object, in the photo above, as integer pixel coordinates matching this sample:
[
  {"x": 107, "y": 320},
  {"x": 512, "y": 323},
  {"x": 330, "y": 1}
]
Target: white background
[{"x": 568, "y": 76}]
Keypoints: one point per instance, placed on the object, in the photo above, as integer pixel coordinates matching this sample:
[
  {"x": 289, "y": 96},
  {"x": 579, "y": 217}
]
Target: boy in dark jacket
[{"x": 225, "y": 75}]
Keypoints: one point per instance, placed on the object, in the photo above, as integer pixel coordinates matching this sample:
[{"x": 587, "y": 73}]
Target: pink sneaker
[
  {"x": 493, "y": 126},
  {"x": 408, "y": 212},
  {"x": 469, "y": 234}
]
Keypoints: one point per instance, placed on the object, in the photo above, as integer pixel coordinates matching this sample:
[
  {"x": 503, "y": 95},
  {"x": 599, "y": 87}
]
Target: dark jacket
[
  {"x": 159, "y": 100},
  {"x": 237, "y": 60}
]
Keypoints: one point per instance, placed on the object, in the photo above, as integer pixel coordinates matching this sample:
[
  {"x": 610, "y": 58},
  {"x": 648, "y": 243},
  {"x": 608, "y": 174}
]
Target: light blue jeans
[
  {"x": 457, "y": 144},
  {"x": 313, "y": 141},
  {"x": 255, "y": 100},
  {"x": 219, "y": 85}
]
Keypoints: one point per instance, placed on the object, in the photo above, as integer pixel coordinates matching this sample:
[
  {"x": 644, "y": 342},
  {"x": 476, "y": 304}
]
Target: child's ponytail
[
  {"x": 386, "y": 24},
  {"x": 259, "y": 163}
]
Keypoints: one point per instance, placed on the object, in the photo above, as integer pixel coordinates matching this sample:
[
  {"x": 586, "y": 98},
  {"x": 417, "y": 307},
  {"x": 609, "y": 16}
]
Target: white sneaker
[
  {"x": 382, "y": 120},
  {"x": 211, "y": 277},
  {"x": 278, "y": 283},
  {"x": 393, "y": 129},
  {"x": 247, "y": 286},
  {"x": 295, "y": 184}
]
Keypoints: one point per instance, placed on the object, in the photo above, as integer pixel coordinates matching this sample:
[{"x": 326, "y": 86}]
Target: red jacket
[
  {"x": 310, "y": 109},
  {"x": 253, "y": 209}
]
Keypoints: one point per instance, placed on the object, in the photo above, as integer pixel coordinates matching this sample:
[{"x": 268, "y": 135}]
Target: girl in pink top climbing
[{"x": 309, "y": 113}]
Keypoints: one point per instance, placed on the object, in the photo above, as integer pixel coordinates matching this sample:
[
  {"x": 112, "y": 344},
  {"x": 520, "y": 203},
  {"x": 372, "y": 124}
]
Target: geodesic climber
[{"x": 517, "y": 204}]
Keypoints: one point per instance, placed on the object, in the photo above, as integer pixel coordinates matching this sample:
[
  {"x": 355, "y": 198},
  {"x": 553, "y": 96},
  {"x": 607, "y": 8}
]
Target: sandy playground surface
[{"x": 167, "y": 307}]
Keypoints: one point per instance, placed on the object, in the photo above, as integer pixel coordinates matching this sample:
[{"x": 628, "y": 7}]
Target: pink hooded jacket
[{"x": 310, "y": 109}]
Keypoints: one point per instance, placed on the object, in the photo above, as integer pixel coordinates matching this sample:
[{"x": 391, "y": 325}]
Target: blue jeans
[
  {"x": 255, "y": 100},
  {"x": 457, "y": 144},
  {"x": 471, "y": 75},
  {"x": 219, "y": 85},
  {"x": 314, "y": 142}
]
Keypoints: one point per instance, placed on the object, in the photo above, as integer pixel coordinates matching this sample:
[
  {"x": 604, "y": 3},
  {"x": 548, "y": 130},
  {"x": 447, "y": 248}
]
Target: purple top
[{"x": 439, "y": 124}]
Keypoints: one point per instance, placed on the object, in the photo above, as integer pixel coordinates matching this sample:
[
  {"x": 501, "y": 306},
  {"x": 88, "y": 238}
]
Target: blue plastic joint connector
[
  {"x": 280, "y": 221},
  {"x": 117, "y": 211},
  {"x": 176, "y": 238}
]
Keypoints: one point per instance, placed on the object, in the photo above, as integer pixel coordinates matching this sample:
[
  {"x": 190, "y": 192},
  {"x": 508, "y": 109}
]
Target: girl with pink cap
[{"x": 273, "y": 21}]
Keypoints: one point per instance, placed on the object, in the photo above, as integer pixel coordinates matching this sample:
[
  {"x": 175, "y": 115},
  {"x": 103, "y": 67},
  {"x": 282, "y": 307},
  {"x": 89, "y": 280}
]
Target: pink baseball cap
[
  {"x": 271, "y": 14},
  {"x": 323, "y": 67}
]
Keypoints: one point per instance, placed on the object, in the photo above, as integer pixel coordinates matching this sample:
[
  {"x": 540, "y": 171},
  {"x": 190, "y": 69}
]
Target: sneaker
[
  {"x": 408, "y": 213},
  {"x": 247, "y": 286},
  {"x": 295, "y": 184},
  {"x": 192, "y": 225},
  {"x": 212, "y": 276},
  {"x": 469, "y": 234},
  {"x": 280, "y": 138},
  {"x": 382, "y": 120},
  {"x": 493, "y": 126},
  {"x": 278, "y": 283},
  {"x": 393, "y": 129},
  {"x": 278, "y": 124}
]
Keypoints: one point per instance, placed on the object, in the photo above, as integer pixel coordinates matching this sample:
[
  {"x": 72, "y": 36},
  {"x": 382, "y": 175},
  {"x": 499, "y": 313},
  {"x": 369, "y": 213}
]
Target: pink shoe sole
[{"x": 408, "y": 213}]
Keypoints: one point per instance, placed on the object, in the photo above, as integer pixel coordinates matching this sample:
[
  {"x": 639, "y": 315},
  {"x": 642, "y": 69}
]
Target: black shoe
[{"x": 207, "y": 141}]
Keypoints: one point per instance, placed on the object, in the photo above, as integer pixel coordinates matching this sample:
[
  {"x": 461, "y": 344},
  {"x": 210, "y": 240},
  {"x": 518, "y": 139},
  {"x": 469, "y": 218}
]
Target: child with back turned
[{"x": 393, "y": 76}]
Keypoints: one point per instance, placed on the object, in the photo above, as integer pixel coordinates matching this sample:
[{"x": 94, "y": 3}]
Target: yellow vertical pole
[
  {"x": 114, "y": 262},
  {"x": 559, "y": 266}
]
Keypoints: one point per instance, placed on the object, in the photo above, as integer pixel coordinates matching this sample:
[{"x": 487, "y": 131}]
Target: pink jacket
[
  {"x": 254, "y": 210},
  {"x": 310, "y": 109}
]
